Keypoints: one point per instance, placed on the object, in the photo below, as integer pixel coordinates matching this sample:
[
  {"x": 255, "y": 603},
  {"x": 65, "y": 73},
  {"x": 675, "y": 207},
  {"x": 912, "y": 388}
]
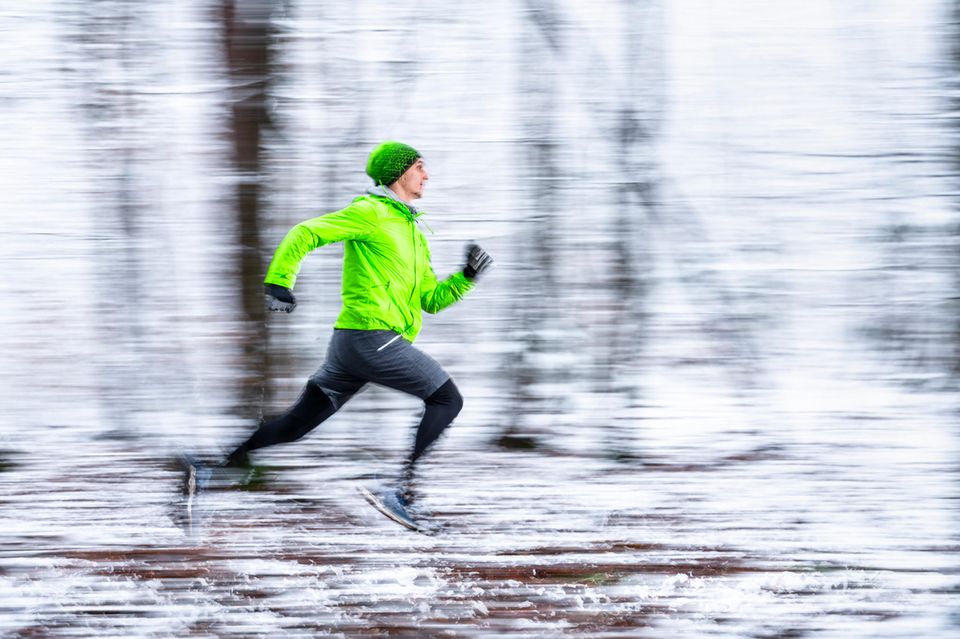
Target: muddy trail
[{"x": 775, "y": 541}]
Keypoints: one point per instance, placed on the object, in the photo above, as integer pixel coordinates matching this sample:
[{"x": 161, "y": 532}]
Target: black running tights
[{"x": 314, "y": 407}]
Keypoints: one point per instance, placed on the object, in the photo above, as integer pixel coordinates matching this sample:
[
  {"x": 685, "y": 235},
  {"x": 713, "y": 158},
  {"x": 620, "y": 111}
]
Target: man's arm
[
  {"x": 355, "y": 222},
  {"x": 436, "y": 296}
]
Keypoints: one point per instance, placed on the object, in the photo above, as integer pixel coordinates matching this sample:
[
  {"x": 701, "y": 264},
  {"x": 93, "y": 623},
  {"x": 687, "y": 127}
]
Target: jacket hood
[{"x": 387, "y": 192}]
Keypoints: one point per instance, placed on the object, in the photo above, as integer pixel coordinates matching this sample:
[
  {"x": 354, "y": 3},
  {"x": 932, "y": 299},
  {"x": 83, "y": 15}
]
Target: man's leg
[
  {"x": 384, "y": 358},
  {"x": 440, "y": 409},
  {"x": 326, "y": 391},
  {"x": 312, "y": 409}
]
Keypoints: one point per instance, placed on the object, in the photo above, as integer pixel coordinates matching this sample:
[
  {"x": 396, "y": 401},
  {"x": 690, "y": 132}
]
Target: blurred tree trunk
[
  {"x": 636, "y": 112},
  {"x": 247, "y": 36},
  {"x": 108, "y": 109},
  {"x": 537, "y": 286}
]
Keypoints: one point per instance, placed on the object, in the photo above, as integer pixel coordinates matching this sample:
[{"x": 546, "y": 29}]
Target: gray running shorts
[{"x": 355, "y": 358}]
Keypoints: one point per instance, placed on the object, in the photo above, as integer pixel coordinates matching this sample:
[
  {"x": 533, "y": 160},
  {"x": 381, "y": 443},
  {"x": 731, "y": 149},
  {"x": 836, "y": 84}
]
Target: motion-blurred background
[{"x": 723, "y": 320}]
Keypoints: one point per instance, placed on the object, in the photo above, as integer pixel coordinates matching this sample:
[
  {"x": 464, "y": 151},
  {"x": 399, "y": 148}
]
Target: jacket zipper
[
  {"x": 413, "y": 238},
  {"x": 413, "y": 289}
]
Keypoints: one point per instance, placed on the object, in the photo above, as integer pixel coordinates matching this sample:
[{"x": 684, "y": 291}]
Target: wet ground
[
  {"x": 840, "y": 532},
  {"x": 710, "y": 385}
]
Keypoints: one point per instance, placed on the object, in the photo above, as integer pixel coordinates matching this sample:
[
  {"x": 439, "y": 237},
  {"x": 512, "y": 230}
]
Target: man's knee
[
  {"x": 336, "y": 398},
  {"x": 447, "y": 396}
]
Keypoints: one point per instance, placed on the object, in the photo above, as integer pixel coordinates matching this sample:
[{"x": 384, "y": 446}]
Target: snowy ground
[{"x": 778, "y": 540}]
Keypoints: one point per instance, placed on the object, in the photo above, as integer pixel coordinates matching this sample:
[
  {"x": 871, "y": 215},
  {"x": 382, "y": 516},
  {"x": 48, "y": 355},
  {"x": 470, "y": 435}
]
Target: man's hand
[
  {"x": 477, "y": 262},
  {"x": 279, "y": 299}
]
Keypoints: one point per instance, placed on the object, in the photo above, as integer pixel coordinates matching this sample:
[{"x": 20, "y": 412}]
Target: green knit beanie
[{"x": 389, "y": 161}]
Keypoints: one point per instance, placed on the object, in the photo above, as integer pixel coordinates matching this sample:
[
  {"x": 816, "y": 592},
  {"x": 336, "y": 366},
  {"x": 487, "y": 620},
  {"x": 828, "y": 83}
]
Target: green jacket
[{"x": 387, "y": 277}]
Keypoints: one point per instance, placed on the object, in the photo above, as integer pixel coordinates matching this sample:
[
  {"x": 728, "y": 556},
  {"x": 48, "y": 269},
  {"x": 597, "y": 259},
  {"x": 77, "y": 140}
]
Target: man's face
[{"x": 412, "y": 181}]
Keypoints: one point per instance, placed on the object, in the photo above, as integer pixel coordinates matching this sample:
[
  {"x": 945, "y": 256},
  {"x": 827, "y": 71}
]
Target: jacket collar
[{"x": 387, "y": 192}]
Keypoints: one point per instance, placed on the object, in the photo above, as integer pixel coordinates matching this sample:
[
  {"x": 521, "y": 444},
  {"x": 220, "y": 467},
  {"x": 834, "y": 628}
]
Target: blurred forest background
[
  {"x": 663, "y": 202},
  {"x": 727, "y": 246}
]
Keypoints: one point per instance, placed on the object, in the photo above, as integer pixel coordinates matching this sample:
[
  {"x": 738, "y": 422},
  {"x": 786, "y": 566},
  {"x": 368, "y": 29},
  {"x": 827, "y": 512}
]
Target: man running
[{"x": 387, "y": 283}]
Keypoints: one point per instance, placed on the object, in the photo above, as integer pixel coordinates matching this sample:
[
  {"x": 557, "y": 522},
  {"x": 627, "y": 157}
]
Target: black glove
[
  {"x": 477, "y": 262},
  {"x": 279, "y": 299}
]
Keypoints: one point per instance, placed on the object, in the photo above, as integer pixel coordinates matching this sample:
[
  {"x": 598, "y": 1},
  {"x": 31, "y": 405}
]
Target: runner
[{"x": 387, "y": 283}]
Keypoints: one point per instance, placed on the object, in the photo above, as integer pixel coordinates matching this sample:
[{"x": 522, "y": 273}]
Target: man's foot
[
  {"x": 392, "y": 503},
  {"x": 238, "y": 459},
  {"x": 196, "y": 475},
  {"x": 240, "y": 469}
]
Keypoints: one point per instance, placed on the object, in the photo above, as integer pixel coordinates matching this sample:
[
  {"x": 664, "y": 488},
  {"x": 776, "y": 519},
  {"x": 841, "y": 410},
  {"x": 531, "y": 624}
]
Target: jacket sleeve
[
  {"x": 355, "y": 222},
  {"x": 436, "y": 295}
]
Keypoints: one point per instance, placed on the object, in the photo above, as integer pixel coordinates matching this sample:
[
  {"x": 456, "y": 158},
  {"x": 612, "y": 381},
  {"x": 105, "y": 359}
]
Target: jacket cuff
[{"x": 286, "y": 281}]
